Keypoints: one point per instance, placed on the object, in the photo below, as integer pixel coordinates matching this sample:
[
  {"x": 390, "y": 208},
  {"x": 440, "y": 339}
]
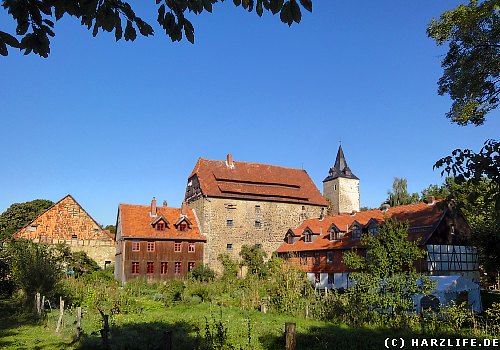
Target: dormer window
[
  {"x": 356, "y": 232},
  {"x": 289, "y": 239},
  {"x": 183, "y": 227},
  {"x": 183, "y": 224},
  {"x": 308, "y": 237},
  {"x": 373, "y": 230},
  {"x": 160, "y": 226}
]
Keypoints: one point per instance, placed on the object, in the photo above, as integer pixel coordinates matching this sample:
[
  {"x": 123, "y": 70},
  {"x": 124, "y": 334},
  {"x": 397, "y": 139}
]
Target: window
[
  {"x": 308, "y": 237},
  {"x": 151, "y": 246},
  {"x": 150, "y": 267},
  {"x": 164, "y": 268},
  {"x": 177, "y": 247},
  {"x": 317, "y": 277},
  {"x": 182, "y": 227},
  {"x": 373, "y": 231},
  {"x": 316, "y": 259},
  {"x": 303, "y": 259},
  {"x": 229, "y": 222},
  {"x": 74, "y": 236},
  {"x": 257, "y": 209},
  {"x": 229, "y": 246},
  {"x": 334, "y": 235},
  {"x": 356, "y": 232},
  {"x": 136, "y": 245},
  {"x": 177, "y": 267},
  {"x": 135, "y": 268},
  {"x": 289, "y": 239},
  {"x": 191, "y": 247},
  {"x": 329, "y": 257},
  {"x": 258, "y": 224},
  {"x": 331, "y": 279},
  {"x": 190, "y": 265},
  {"x": 160, "y": 226}
]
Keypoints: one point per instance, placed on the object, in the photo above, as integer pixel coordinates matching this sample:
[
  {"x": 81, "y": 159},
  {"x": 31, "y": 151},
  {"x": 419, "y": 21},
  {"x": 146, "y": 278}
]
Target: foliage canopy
[
  {"x": 20, "y": 214},
  {"x": 35, "y": 19},
  {"x": 472, "y": 65}
]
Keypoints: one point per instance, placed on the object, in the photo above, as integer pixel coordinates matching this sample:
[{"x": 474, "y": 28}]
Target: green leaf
[
  {"x": 9, "y": 39},
  {"x": 307, "y": 4},
  {"x": 296, "y": 15},
  {"x": 276, "y": 6},
  {"x": 130, "y": 33},
  {"x": 189, "y": 31},
  {"x": 286, "y": 14},
  {"x": 118, "y": 29},
  {"x": 259, "y": 8},
  {"x": 237, "y": 2},
  {"x": 3, "y": 49},
  {"x": 207, "y": 4}
]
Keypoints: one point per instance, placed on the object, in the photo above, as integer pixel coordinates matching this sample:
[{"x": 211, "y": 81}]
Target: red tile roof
[
  {"x": 256, "y": 181},
  {"x": 136, "y": 223},
  {"x": 421, "y": 217}
]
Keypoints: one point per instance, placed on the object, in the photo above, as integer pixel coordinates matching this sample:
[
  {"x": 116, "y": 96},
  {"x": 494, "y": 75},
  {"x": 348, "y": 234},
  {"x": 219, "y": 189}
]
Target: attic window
[
  {"x": 308, "y": 237},
  {"x": 160, "y": 226},
  {"x": 373, "y": 231},
  {"x": 356, "y": 232},
  {"x": 334, "y": 235},
  {"x": 182, "y": 227},
  {"x": 289, "y": 239}
]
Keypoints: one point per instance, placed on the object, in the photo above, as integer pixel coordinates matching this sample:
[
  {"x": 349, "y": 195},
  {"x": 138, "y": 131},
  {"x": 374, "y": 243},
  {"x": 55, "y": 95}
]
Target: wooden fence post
[
  {"x": 61, "y": 313},
  {"x": 78, "y": 322},
  {"x": 37, "y": 307},
  {"x": 290, "y": 339},
  {"x": 167, "y": 340},
  {"x": 105, "y": 330}
]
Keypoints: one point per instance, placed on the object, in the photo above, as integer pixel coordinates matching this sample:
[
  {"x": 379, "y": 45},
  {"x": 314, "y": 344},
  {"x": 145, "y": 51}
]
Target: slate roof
[
  {"x": 137, "y": 222},
  {"x": 256, "y": 181},
  {"x": 340, "y": 168},
  {"x": 422, "y": 218}
]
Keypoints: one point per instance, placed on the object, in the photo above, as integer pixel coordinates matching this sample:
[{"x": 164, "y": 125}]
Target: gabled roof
[
  {"x": 62, "y": 220},
  {"x": 256, "y": 181},
  {"x": 422, "y": 219},
  {"x": 340, "y": 168},
  {"x": 136, "y": 223}
]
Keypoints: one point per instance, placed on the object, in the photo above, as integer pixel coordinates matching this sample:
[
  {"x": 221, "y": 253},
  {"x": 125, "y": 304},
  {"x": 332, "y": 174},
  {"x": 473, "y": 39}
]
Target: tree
[
  {"x": 253, "y": 257},
  {"x": 35, "y": 19},
  {"x": 385, "y": 279},
  {"x": 471, "y": 167},
  {"x": 34, "y": 267},
  {"x": 111, "y": 228},
  {"x": 20, "y": 214},
  {"x": 399, "y": 194},
  {"x": 436, "y": 191},
  {"x": 472, "y": 65}
]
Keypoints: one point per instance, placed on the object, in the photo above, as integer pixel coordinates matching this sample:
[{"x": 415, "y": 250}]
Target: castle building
[
  {"x": 341, "y": 187},
  {"x": 67, "y": 222},
  {"x": 242, "y": 203},
  {"x": 156, "y": 243}
]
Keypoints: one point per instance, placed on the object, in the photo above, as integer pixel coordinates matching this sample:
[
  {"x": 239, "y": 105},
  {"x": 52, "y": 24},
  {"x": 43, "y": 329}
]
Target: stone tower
[{"x": 341, "y": 186}]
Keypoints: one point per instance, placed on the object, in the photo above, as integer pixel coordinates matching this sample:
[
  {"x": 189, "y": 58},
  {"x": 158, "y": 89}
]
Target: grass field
[{"x": 144, "y": 329}]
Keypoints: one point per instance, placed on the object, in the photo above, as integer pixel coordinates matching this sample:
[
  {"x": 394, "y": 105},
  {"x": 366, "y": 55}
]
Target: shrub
[
  {"x": 173, "y": 291},
  {"x": 202, "y": 273}
]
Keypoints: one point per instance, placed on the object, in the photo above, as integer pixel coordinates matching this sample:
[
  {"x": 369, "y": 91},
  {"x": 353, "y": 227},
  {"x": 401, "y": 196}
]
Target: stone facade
[
  {"x": 251, "y": 222},
  {"x": 343, "y": 193},
  {"x": 67, "y": 222},
  {"x": 240, "y": 203}
]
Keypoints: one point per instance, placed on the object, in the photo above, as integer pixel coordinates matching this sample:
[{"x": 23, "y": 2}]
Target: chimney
[
  {"x": 430, "y": 200},
  {"x": 385, "y": 207},
  {"x": 164, "y": 204},
  {"x": 353, "y": 212},
  {"x": 184, "y": 208},
  {"x": 229, "y": 161},
  {"x": 153, "y": 207}
]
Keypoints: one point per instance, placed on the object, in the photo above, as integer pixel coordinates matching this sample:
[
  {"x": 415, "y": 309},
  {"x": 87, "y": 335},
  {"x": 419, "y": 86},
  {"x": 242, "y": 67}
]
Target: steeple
[{"x": 340, "y": 168}]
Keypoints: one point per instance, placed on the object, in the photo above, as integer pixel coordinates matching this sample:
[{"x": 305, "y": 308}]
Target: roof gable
[
  {"x": 255, "y": 181},
  {"x": 65, "y": 219}
]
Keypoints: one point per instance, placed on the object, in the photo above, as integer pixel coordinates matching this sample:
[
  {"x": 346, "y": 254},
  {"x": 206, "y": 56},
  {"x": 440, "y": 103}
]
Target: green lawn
[{"x": 144, "y": 330}]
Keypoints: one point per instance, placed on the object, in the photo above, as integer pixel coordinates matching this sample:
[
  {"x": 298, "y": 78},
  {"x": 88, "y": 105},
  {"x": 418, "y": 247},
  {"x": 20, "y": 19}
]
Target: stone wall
[
  {"x": 253, "y": 222},
  {"x": 343, "y": 193}
]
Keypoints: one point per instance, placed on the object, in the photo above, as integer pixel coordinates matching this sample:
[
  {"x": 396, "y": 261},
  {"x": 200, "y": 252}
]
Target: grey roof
[{"x": 340, "y": 168}]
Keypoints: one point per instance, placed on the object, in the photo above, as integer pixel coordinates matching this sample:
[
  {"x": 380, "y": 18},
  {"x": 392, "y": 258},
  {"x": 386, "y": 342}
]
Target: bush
[
  {"x": 202, "y": 273},
  {"x": 173, "y": 291}
]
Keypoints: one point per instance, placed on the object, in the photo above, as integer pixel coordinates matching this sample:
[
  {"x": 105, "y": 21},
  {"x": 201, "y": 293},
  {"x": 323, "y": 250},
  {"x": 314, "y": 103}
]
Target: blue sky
[{"x": 122, "y": 122}]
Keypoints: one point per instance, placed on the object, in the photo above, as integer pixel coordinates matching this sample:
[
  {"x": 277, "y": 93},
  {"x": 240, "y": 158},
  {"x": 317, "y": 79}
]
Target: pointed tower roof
[{"x": 340, "y": 168}]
